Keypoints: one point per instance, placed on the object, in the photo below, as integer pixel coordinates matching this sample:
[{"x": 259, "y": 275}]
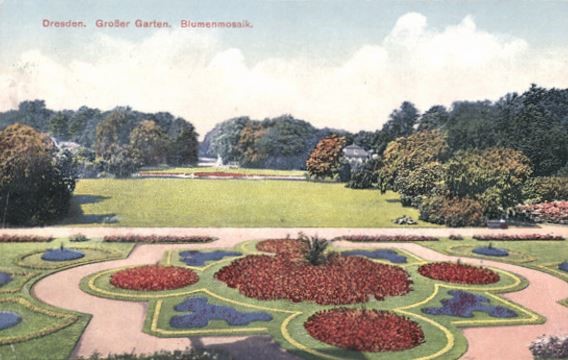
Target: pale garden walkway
[{"x": 116, "y": 326}]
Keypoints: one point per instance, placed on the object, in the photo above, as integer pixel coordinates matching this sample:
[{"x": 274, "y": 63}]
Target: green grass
[
  {"x": 232, "y": 203},
  {"x": 191, "y": 170},
  {"x": 37, "y": 316},
  {"x": 157, "y": 323}
]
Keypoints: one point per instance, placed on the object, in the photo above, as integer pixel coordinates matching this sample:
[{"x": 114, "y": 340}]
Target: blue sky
[{"x": 334, "y": 63}]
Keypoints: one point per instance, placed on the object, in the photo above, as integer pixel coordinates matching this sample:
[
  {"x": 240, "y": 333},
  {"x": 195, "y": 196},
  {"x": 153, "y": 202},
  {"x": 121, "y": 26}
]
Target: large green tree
[
  {"x": 149, "y": 143},
  {"x": 36, "y": 182},
  {"x": 325, "y": 159}
]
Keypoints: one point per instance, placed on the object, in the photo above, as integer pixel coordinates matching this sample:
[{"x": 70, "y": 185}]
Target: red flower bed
[
  {"x": 24, "y": 238},
  {"x": 459, "y": 273},
  {"x": 342, "y": 280},
  {"x": 364, "y": 330},
  {"x": 151, "y": 239},
  {"x": 549, "y": 212},
  {"x": 286, "y": 247},
  {"x": 386, "y": 238},
  {"x": 218, "y": 174},
  {"x": 153, "y": 278},
  {"x": 522, "y": 237}
]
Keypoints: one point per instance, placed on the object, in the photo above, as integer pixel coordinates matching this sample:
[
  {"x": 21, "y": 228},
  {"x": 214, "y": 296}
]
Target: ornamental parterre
[
  {"x": 202, "y": 312},
  {"x": 341, "y": 280},
  {"x": 153, "y": 278},
  {"x": 364, "y": 330},
  {"x": 463, "y": 304},
  {"x": 459, "y": 273},
  {"x": 384, "y": 254}
]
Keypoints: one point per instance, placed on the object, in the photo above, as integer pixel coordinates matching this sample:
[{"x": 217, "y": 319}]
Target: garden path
[{"x": 116, "y": 326}]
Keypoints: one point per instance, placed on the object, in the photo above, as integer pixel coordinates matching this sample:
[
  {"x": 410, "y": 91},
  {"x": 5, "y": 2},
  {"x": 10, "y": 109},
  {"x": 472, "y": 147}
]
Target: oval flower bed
[
  {"x": 9, "y": 319},
  {"x": 5, "y": 278},
  {"x": 490, "y": 251},
  {"x": 153, "y": 278},
  {"x": 364, "y": 330},
  {"x": 61, "y": 254},
  {"x": 563, "y": 266},
  {"x": 341, "y": 280},
  {"x": 459, "y": 273}
]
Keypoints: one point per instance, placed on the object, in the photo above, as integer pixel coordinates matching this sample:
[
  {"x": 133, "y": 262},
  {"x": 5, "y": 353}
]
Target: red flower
[
  {"x": 153, "y": 278},
  {"x": 364, "y": 330},
  {"x": 459, "y": 273}
]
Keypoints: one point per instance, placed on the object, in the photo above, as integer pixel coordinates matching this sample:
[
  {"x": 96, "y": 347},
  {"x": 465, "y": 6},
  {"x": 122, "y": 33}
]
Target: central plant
[{"x": 335, "y": 280}]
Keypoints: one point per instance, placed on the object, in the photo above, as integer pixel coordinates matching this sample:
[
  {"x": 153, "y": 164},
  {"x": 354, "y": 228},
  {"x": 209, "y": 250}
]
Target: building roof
[{"x": 354, "y": 151}]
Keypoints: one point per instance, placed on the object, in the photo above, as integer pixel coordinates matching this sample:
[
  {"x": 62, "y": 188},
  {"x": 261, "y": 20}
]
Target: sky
[{"x": 342, "y": 64}]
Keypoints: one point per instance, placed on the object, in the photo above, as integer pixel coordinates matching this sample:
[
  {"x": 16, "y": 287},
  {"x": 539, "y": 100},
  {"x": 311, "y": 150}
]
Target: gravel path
[{"x": 116, "y": 326}]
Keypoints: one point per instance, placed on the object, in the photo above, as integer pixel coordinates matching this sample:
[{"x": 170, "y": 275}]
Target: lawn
[
  {"x": 191, "y": 170},
  {"x": 232, "y": 203}
]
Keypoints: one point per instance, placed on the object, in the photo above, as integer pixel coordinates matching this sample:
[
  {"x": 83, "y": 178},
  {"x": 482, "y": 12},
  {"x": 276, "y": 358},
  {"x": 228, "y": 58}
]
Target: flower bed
[
  {"x": 24, "y": 238},
  {"x": 463, "y": 304},
  {"x": 341, "y": 280},
  {"x": 385, "y": 254},
  {"x": 549, "y": 212},
  {"x": 152, "y": 239},
  {"x": 364, "y": 330},
  {"x": 62, "y": 255},
  {"x": 563, "y": 266},
  {"x": 5, "y": 278},
  {"x": 386, "y": 238},
  {"x": 459, "y": 273},
  {"x": 490, "y": 251},
  {"x": 202, "y": 313},
  {"x": 198, "y": 258},
  {"x": 9, "y": 319},
  {"x": 550, "y": 347},
  {"x": 286, "y": 247},
  {"x": 520, "y": 237},
  {"x": 153, "y": 278}
]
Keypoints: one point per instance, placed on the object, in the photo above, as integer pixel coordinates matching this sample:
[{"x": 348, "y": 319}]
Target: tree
[
  {"x": 36, "y": 183},
  {"x": 495, "y": 177},
  {"x": 435, "y": 118},
  {"x": 121, "y": 162},
  {"x": 325, "y": 159},
  {"x": 59, "y": 126},
  {"x": 183, "y": 149},
  {"x": 149, "y": 143},
  {"x": 109, "y": 133},
  {"x": 400, "y": 124},
  {"x": 413, "y": 165}
]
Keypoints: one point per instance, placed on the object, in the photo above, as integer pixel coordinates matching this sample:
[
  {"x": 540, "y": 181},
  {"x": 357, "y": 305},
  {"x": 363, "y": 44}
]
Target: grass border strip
[{"x": 113, "y": 255}]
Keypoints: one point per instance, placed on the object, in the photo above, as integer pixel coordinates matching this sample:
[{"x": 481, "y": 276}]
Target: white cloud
[{"x": 196, "y": 77}]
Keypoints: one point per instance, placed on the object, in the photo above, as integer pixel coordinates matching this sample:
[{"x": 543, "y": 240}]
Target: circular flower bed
[
  {"x": 341, "y": 280},
  {"x": 459, "y": 273},
  {"x": 61, "y": 255},
  {"x": 490, "y": 251},
  {"x": 364, "y": 330},
  {"x": 5, "y": 278},
  {"x": 286, "y": 247},
  {"x": 563, "y": 266},
  {"x": 153, "y": 278},
  {"x": 9, "y": 319}
]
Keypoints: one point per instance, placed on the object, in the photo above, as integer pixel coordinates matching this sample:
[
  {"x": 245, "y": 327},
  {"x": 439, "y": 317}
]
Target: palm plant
[{"x": 315, "y": 248}]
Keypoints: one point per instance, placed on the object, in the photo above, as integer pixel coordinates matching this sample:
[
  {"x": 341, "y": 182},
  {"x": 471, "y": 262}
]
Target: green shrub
[
  {"x": 78, "y": 238},
  {"x": 547, "y": 188},
  {"x": 364, "y": 176},
  {"x": 456, "y": 212}
]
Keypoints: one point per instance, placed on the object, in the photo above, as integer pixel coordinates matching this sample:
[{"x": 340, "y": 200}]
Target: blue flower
[
  {"x": 5, "y": 278},
  {"x": 61, "y": 255},
  {"x": 463, "y": 304},
  {"x": 490, "y": 251},
  {"x": 202, "y": 312},
  {"x": 563, "y": 266},
  {"x": 198, "y": 258},
  {"x": 385, "y": 254},
  {"x": 9, "y": 319}
]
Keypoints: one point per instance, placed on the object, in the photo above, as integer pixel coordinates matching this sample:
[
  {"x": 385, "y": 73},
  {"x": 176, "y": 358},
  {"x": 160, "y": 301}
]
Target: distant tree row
[
  {"x": 116, "y": 141},
  {"x": 279, "y": 143}
]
